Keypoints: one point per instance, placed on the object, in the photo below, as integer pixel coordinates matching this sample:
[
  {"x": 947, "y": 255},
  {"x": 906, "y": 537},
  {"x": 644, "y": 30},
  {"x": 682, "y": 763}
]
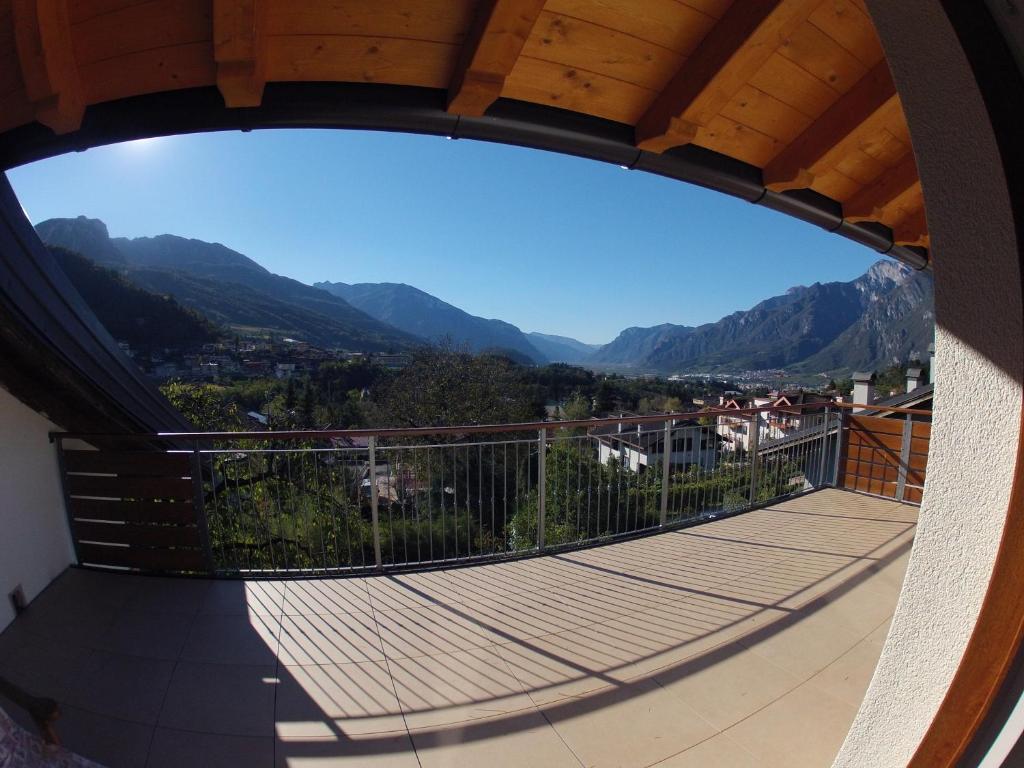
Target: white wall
[
  {"x": 975, "y": 432},
  {"x": 35, "y": 545}
]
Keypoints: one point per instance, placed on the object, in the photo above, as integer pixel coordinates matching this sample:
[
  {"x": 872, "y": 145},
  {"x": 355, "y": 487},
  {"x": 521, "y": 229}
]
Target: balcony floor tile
[{"x": 747, "y": 641}]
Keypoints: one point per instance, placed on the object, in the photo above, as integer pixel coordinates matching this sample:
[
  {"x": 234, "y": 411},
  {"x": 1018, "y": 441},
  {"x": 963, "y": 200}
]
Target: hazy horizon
[{"x": 604, "y": 249}]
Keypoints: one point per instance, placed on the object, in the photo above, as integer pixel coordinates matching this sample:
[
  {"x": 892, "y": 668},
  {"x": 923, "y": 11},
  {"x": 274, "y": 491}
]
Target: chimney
[
  {"x": 863, "y": 388},
  {"x": 931, "y": 363},
  {"x": 915, "y": 378}
]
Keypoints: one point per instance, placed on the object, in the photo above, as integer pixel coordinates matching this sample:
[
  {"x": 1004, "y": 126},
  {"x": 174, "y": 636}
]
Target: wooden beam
[
  {"x": 42, "y": 36},
  {"x": 866, "y": 108},
  {"x": 239, "y": 48},
  {"x": 870, "y": 202},
  {"x": 731, "y": 53},
  {"x": 493, "y": 45},
  {"x": 911, "y": 230}
]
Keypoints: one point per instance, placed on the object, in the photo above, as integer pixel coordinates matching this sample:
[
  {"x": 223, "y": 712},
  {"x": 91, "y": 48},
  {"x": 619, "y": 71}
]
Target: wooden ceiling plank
[
  {"x": 667, "y": 23},
  {"x": 735, "y": 48},
  {"x": 869, "y": 203},
  {"x": 499, "y": 32},
  {"x": 544, "y": 82},
  {"x": 48, "y": 69},
  {"x": 240, "y": 50},
  {"x": 585, "y": 46},
  {"x": 863, "y": 110},
  {"x": 851, "y": 28}
]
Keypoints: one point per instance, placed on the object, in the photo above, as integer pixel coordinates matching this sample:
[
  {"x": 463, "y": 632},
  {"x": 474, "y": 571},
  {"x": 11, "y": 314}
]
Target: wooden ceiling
[{"x": 797, "y": 88}]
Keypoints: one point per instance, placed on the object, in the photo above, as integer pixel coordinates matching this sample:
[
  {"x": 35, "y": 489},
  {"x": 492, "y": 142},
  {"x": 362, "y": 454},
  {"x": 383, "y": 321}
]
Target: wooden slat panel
[
  {"x": 918, "y": 462},
  {"x": 576, "y": 43},
  {"x": 922, "y": 429},
  {"x": 133, "y": 511},
  {"x": 441, "y": 22},
  {"x": 360, "y": 59},
  {"x": 876, "y": 424},
  {"x": 873, "y": 454},
  {"x": 139, "y": 535},
  {"x": 142, "y": 27},
  {"x": 913, "y": 495},
  {"x": 142, "y": 558},
  {"x": 667, "y": 23},
  {"x": 130, "y": 487},
  {"x": 919, "y": 446},
  {"x": 129, "y": 463}
]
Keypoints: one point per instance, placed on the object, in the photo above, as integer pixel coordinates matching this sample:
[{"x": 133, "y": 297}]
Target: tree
[
  {"x": 577, "y": 407},
  {"x": 445, "y": 386},
  {"x": 207, "y": 406}
]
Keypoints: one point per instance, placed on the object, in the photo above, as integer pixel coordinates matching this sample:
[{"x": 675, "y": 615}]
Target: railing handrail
[{"x": 532, "y": 426}]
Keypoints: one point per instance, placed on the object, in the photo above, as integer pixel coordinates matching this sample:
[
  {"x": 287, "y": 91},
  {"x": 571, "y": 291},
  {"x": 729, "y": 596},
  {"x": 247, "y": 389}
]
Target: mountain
[
  {"x": 561, "y": 349},
  {"x": 634, "y": 346},
  {"x": 227, "y": 286},
  {"x": 881, "y": 318},
  {"x": 426, "y": 316},
  {"x": 145, "y": 320}
]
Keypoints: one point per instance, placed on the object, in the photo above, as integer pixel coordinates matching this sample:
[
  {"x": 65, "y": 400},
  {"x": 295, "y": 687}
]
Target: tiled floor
[{"x": 744, "y": 642}]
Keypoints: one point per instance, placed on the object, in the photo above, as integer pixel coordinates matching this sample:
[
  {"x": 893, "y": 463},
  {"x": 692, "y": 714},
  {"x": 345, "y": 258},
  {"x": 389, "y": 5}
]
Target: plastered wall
[
  {"x": 977, "y": 389},
  {"x": 35, "y": 546}
]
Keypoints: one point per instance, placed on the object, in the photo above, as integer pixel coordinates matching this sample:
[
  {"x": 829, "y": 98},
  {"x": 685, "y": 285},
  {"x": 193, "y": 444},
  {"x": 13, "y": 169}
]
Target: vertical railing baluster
[
  {"x": 755, "y": 437},
  {"x": 824, "y": 446},
  {"x": 542, "y": 440},
  {"x": 901, "y": 472},
  {"x": 374, "y": 521},
  {"x": 665, "y": 462}
]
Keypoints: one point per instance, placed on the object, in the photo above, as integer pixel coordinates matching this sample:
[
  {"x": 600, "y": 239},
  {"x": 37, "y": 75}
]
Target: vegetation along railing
[{"x": 352, "y": 501}]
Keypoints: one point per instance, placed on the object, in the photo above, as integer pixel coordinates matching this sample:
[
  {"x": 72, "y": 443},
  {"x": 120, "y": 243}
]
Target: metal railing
[{"x": 366, "y": 500}]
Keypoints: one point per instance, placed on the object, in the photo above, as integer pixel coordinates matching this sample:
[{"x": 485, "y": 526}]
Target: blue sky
[{"x": 550, "y": 243}]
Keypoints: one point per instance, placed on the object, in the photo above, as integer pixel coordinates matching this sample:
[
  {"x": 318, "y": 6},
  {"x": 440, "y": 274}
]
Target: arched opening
[{"x": 984, "y": 351}]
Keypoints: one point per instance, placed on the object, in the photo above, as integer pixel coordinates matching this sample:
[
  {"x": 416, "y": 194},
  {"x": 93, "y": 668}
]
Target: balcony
[
  {"x": 473, "y": 593},
  {"x": 743, "y": 641}
]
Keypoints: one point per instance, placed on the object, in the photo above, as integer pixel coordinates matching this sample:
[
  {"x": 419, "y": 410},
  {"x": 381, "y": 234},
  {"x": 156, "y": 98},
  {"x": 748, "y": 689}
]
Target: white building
[{"x": 643, "y": 445}]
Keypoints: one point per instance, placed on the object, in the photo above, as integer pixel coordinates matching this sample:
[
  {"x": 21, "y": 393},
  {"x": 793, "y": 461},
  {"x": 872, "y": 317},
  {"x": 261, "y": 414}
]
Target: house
[
  {"x": 794, "y": 415},
  {"x": 735, "y": 431},
  {"x": 643, "y": 445}
]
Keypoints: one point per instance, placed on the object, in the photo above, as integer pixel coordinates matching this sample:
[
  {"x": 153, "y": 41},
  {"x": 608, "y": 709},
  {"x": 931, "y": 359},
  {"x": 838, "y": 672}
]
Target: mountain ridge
[
  {"x": 198, "y": 274},
  {"x": 418, "y": 312},
  {"x": 880, "y": 318}
]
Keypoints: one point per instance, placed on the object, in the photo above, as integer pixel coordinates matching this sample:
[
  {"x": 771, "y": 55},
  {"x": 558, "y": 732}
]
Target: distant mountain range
[
  {"x": 881, "y": 318},
  {"x": 562, "y": 349},
  {"x": 227, "y": 287},
  {"x": 426, "y": 316}
]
